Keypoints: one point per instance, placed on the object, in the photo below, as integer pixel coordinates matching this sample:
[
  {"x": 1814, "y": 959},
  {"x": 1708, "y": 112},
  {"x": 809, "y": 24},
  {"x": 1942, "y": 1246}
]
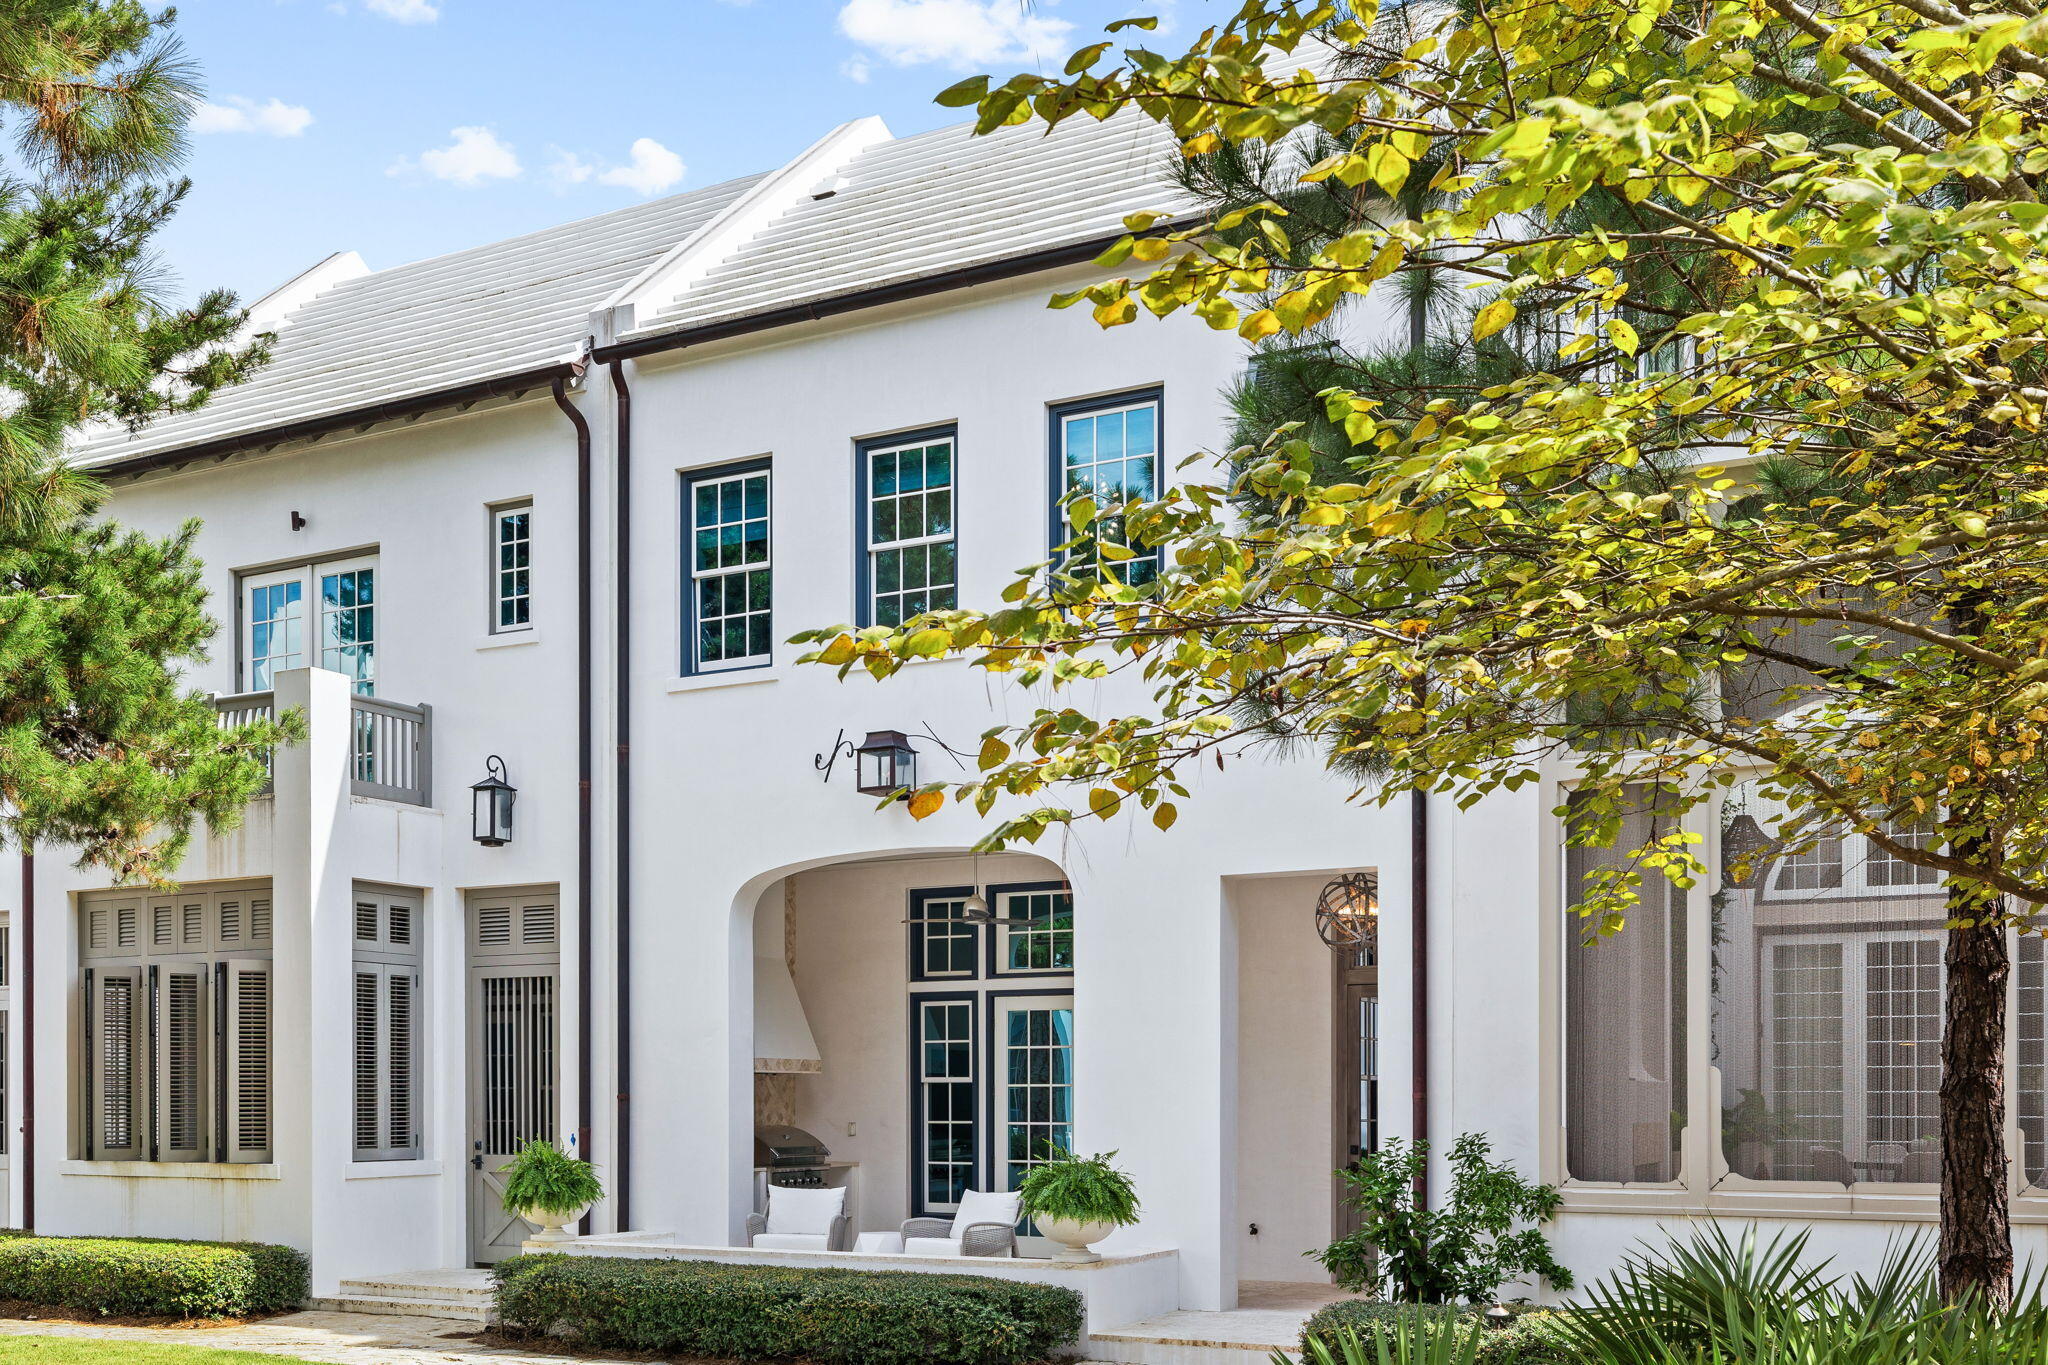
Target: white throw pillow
[
  {"x": 932, "y": 1246},
  {"x": 977, "y": 1206},
  {"x": 791, "y": 1241},
  {"x": 804, "y": 1212}
]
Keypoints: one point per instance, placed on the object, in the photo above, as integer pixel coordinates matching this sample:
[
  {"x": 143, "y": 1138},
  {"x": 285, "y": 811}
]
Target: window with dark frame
[
  {"x": 728, "y": 588},
  {"x": 906, "y": 505},
  {"x": 1106, "y": 450}
]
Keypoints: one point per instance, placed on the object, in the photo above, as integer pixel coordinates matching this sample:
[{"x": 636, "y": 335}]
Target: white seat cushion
[
  {"x": 932, "y": 1246},
  {"x": 792, "y": 1241},
  {"x": 805, "y": 1212},
  {"x": 977, "y": 1206}
]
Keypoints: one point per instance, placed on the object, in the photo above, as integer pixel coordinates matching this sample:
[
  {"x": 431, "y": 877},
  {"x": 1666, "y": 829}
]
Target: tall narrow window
[
  {"x": 342, "y": 595},
  {"x": 947, "y": 1146},
  {"x": 1625, "y": 1098},
  {"x": 511, "y": 568},
  {"x": 907, "y": 512},
  {"x": 1827, "y": 1002},
  {"x": 1106, "y": 450},
  {"x": 385, "y": 999},
  {"x": 176, "y": 1022},
  {"x": 729, "y": 590}
]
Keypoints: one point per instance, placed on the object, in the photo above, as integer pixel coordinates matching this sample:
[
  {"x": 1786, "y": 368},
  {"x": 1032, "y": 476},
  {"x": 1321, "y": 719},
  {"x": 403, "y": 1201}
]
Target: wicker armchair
[
  {"x": 980, "y": 1239},
  {"x": 840, "y": 1238}
]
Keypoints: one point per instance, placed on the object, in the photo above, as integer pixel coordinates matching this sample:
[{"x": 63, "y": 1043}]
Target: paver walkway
[{"x": 334, "y": 1338}]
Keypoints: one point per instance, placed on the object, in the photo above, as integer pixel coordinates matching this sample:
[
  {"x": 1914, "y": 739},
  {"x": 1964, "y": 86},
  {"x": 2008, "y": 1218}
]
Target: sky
[{"x": 403, "y": 129}]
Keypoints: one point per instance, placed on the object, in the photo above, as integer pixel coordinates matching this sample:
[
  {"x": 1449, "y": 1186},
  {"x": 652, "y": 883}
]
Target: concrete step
[
  {"x": 458, "y": 1286},
  {"x": 1194, "y": 1338},
  {"x": 387, "y": 1306}
]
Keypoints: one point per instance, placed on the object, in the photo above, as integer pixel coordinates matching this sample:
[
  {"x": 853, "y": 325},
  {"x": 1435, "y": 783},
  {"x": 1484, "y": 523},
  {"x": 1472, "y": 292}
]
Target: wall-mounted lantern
[
  {"x": 884, "y": 763},
  {"x": 1348, "y": 911},
  {"x": 490, "y": 805}
]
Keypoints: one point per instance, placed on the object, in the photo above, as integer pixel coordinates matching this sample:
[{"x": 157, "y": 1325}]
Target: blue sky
[{"x": 406, "y": 128}]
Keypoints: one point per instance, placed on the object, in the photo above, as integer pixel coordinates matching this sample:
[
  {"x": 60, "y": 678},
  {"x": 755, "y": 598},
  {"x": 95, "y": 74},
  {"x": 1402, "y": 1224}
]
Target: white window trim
[
  {"x": 691, "y": 483},
  {"x": 308, "y": 576},
  {"x": 497, "y": 595}
]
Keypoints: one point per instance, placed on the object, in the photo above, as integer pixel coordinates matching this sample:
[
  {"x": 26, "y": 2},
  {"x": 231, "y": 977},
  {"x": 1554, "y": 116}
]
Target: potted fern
[
  {"x": 1077, "y": 1201},
  {"x": 549, "y": 1189}
]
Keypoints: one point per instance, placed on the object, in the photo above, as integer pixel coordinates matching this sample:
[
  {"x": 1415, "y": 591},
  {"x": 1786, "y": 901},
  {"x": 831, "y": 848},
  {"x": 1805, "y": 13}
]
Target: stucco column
[
  {"x": 310, "y": 894},
  {"x": 1154, "y": 1032}
]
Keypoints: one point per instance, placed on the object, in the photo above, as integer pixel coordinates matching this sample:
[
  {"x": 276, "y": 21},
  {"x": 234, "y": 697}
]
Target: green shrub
[
  {"x": 1534, "y": 1337},
  {"x": 151, "y": 1277},
  {"x": 757, "y": 1312}
]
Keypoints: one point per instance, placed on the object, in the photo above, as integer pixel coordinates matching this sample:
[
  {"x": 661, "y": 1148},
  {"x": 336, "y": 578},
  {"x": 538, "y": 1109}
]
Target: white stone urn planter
[
  {"x": 554, "y": 1227},
  {"x": 1074, "y": 1238}
]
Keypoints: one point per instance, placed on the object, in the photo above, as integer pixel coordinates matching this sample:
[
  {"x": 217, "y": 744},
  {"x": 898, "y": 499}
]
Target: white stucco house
[{"x": 550, "y": 508}]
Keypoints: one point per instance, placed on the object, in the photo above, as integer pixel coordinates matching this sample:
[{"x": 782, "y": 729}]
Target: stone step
[
  {"x": 1195, "y": 1338},
  {"x": 386, "y": 1306}
]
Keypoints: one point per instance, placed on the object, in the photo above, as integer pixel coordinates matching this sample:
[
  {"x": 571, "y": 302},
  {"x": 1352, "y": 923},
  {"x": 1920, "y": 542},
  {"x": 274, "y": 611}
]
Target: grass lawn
[{"x": 84, "y": 1351}]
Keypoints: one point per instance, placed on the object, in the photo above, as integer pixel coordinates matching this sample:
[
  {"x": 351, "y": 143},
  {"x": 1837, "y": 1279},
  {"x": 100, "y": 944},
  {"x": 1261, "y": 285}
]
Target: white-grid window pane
[
  {"x": 512, "y": 568},
  {"x": 1044, "y": 939},
  {"x": 1038, "y": 1086},
  {"x": 1827, "y": 1002},
  {"x": 1625, "y": 1038},
  {"x": 946, "y": 1074},
  {"x": 911, "y": 557},
  {"x": 348, "y": 625},
  {"x": 948, "y": 943},
  {"x": 1112, "y": 456},
  {"x": 2030, "y": 1042},
  {"x": 731, "y": 571},
  {"x": 277, "y": 631}
]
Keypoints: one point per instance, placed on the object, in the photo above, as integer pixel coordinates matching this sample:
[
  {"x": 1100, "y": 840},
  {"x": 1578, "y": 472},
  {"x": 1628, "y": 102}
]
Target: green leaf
[{"x": 963, "y": 93}]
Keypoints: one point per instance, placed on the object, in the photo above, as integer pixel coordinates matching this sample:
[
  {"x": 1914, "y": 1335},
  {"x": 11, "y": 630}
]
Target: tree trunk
[{"x": 1976, "y": 1226}]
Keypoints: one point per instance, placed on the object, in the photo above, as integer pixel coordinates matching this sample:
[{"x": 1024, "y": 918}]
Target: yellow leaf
[
  {"x": 1492, "y": 318},
  {"x": 1102, "y": 802},
  {"x": 1622, "y": 335},
  {"x": 993, "y": 751},
  {"x": 1259, "y": 325},
  {"x": 1165, "y": 815},
  {"x": 924, "y": 803},
  {"x": 838, "y": 652},
  {"x": 928, "y": 643}
]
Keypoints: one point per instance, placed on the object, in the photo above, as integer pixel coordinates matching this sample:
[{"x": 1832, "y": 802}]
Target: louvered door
[
  {"x": 183, "y": 1029},
  {"x": 116, "y": 1046},
  {"x": 514, "y": 1042}
]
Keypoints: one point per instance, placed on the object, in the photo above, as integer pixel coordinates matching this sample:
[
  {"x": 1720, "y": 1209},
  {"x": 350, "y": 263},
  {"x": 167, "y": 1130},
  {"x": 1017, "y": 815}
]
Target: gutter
[
  {"x": 622, "y": 911},
  {"x": 1418, "y": 959},
  {"x": 1009, "y": 267},
  {"x": 585, "y": 726},
  {"x": 417, "y": 405}
]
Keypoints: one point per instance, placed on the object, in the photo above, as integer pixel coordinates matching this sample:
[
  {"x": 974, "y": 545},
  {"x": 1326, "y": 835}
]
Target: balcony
[{"x": 390, "y": 744}]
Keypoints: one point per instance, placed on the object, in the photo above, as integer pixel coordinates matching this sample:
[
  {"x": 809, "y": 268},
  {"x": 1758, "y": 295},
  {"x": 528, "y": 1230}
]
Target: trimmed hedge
[
  {"x": 152, "y": 1277},
  {"x": 755, "y": 1312},
  {"x": 1533, "y": 1338}
]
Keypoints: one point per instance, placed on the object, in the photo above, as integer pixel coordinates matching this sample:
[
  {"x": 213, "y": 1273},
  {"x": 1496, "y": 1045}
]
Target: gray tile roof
[
  {"x": 936, "y": 202},
  {"x": 904, "y": 209},
  {"x": 417, "y": 329}
]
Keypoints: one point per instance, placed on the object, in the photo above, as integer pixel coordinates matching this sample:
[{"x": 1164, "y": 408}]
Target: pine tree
[{"x": 102, "y": 747}]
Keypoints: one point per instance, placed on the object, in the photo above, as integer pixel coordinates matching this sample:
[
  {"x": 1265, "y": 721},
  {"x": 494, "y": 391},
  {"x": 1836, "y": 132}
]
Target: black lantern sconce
[
  {"x": 884, "y": 764},
  {"x": 490, "y": 805},
  {"x": 1348, "y": 912}
]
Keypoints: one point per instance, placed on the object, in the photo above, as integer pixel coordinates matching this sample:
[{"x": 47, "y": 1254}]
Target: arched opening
[{"x": 912, "y": 1030}]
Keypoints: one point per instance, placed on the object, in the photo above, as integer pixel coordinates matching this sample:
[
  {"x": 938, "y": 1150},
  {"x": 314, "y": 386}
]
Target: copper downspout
[
  {"x": 622, "y": 914},
  {"x": 584, "y": 739}
]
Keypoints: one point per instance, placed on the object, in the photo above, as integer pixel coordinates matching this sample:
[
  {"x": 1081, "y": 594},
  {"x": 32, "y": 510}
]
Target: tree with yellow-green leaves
[
  {"x": 1791, "y": 428},
  {"x": 103, "y": 747}
]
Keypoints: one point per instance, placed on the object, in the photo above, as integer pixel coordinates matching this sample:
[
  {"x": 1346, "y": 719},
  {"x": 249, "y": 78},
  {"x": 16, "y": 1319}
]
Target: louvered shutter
[
  {"x": 116, "y": 1029},
  {"x": 181, "y": 1028},
  {"x": 245, "y": 1059},
  {"x": 384, "y": 1002}
]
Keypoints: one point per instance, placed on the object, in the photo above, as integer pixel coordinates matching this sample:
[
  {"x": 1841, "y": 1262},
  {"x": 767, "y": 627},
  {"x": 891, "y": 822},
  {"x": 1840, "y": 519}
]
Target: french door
[
  {"x": 323, "y": 614},
  {"x": 1031, "y": 1040}
]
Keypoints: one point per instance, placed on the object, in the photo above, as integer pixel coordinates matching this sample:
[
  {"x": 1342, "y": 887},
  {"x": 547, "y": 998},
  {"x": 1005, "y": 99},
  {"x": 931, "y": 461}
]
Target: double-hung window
[
  {"x": 511, "y": 568},
  {"x": 729, "y": 578},
  {"x": 322, "y": 615},
  {"x": 1106, "y": 450},
  {"x": 175, "y": 1016},
  {"x": 906, "y": 512},
  {"x": 385, "y": 998}
]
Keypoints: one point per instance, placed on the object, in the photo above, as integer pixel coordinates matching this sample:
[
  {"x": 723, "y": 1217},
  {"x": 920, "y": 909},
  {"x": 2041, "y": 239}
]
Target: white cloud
[
  {"x": 239, "y": 114},
  {"x": 405, "y": 11},
  {"x": 650, "y": 168},
  {"x": 476, "y": 155},
  {"x": 856, "y": 69},
  {"x": 956, "y": 33}
]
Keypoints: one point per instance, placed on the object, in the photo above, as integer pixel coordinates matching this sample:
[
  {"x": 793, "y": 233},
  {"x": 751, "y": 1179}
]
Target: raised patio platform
[{"x": 1123, "y": 1287}]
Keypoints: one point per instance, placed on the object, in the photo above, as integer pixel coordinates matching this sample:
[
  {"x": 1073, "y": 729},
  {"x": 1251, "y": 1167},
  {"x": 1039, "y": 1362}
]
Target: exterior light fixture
[
  {"x": 885, "y": 764},
  {"x": 490, "y": 805},
  {"x": 1348, "y": 911},
  {"x": 1744, "y": 842}
]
